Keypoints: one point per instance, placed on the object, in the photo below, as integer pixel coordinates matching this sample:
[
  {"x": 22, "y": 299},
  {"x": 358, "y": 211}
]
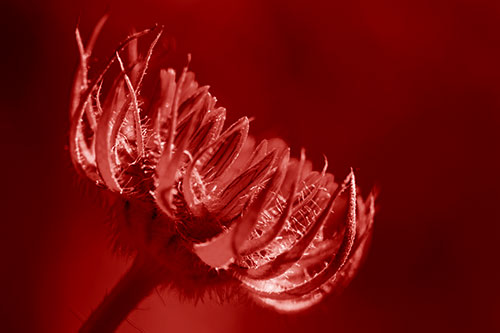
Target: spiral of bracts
[{"x": 290, "y": 234}]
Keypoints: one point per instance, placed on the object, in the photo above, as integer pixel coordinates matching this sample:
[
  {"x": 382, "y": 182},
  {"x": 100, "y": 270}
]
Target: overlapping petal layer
[{"x": 290, "y": 234}]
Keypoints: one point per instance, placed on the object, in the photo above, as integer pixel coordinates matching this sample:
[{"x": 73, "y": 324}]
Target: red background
[{"x": 408, "y": 92}]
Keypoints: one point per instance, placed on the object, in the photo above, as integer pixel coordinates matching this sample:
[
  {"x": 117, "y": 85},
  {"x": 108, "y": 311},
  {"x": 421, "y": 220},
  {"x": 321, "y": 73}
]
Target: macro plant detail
[{"x": 201, "y": 206}]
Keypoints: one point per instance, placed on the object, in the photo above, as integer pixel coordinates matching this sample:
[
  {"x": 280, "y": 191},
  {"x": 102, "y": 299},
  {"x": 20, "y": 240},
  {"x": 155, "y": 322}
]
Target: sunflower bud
[{"x": 288, "y": 234}]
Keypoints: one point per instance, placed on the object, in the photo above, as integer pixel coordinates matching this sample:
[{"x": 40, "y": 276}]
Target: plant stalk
[{"x": 134, "y": 286}]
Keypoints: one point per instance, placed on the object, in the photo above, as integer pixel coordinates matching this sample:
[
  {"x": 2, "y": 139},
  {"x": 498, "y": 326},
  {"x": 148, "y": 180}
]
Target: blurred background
[{"x": 407, "y": 92}]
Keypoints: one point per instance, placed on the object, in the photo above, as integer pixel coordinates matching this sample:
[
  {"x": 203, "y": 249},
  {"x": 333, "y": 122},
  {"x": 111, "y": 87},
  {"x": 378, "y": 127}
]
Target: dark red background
[{"x": 408, "y": 92}]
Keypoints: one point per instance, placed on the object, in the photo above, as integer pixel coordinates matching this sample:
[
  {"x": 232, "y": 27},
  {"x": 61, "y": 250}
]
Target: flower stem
[{"x": 134, "y": 286}]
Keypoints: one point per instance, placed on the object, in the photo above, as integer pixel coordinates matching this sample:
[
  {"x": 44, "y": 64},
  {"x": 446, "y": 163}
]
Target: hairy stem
[{"x": 134, "y": 286}]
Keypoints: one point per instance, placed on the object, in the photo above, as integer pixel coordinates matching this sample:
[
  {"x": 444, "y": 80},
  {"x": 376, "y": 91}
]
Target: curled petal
[
  {"x": 247, "y": 223},
  {"x": 188, "y": 86},
  {"x": 285, "y": 260},
  {"x": 210, "y": 161},
  {"x": 106, "y": 136},
  {"x": 165, "y": 101},
  {"x": 338, "y": 282},
  {"x": 135, "y": 109},
  {"x": 193, "y": 118},
  {"x": 269, "y": 289},
  {"x": 262, "y": 241},
  {"x": 81, "y": 81},
  {"x": 258, "y": 153},
  {"x": 220, "y": 251},
  {"x": 82, "y": 155},
  {"x": 233, "y": 197},
  {"x": 209, "y": 131},
  {"x": 225, "y": 151}
]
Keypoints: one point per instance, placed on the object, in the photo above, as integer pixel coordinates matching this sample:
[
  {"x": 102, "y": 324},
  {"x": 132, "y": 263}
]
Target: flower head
[{"x": 288, "y": 233}]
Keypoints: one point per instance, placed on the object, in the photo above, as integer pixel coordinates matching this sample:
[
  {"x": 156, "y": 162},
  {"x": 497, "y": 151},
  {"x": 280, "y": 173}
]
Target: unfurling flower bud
[{"x": 213, "y": 196}]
